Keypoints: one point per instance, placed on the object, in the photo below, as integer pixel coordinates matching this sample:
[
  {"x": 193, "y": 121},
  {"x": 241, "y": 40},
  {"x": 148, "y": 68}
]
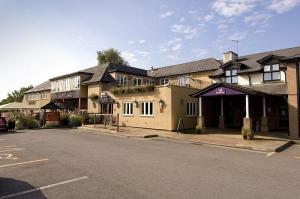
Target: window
[
  {"x": 271, "y": 72},
  {"x": 183, "y": 80},
  {"x": 191, "y": 109},
  {"x": 77, "y": 82},
  {"x": 231, "y": 76},
  {"x": 136, "y": 81},
  {"x": 147, "y": 108},
  {"x": 122, "y": 80},
  {"x": 128, "y": 108},
  {"x": 44, "y": 96},
  {"x": 164, "y": 81}
]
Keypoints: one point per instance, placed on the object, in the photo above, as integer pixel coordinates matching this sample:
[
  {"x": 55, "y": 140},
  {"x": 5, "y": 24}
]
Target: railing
[{"x": 97, "y": 119}]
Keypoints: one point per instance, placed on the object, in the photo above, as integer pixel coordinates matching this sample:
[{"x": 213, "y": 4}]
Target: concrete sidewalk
[{"x": 264, "y": 143}]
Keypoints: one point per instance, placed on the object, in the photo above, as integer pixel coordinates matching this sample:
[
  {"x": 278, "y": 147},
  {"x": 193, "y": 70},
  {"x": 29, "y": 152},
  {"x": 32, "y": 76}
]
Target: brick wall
[{"x": 293, "y": 100}]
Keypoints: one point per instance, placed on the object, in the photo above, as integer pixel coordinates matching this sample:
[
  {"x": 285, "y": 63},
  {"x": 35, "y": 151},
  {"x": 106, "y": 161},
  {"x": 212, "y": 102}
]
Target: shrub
[
  {"x": 75, "y": 121},
  {"x": 11, "y": 124},
  {"x": 64, "y": 120},
  {"x": 26, "y": 122},
  {"x": 31, "y": 123}
]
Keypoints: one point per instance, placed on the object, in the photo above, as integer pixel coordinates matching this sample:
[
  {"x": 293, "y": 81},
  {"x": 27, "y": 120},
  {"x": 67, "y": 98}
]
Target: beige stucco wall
[
  {"x": 175, "y": 99},
  {"x": 180, "y": 97},
  {"x": 40, "y": 102},
  {"x": 93, "y": 89}
]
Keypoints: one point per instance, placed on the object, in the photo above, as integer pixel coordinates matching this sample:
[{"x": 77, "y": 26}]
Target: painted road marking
[
  {"x": 42, "y": 188},
  {"x": 297, "y": 157},
  {"x": 16, "y": 149},
  {"x": 21, "y": 163},
  {"x": 7, "y": 157},
  {"x": 8, "y": 146},
  {"x": 270, "y": 154}
]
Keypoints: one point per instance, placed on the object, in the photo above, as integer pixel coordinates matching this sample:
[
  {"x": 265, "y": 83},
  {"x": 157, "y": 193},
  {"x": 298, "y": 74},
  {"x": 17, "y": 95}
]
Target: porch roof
[{"x": 223, "y": 89}]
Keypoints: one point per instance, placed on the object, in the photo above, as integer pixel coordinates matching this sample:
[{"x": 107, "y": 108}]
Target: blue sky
[{"x": 41, "y": 39}]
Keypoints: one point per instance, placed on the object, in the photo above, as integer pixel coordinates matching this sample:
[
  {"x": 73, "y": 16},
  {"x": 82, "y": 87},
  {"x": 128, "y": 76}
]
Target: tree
[
  {"x": 110, "y": 55},
  {"x": 16, "y": 95}
]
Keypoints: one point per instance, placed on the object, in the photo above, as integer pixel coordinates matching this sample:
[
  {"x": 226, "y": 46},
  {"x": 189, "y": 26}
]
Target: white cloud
[
  {"x": 172, "y": 57},
  {"x": 177, "y": 39},
  {"x": 230, "y": 8},
  {"x": 182, "y": 19},
  {"x": 189, "y": 31},
  {"x": 142, "y": 41},
  {"x": 208, "y": 17},
  {"x": 130, "y": 42},
  {"x": 281, "y": 6},
  {"x": 166, "y": 14},
  {"x": 176, "y": 47},
  {"x": 200, "y": 53},
  {"x": 238, "y": 36},
  {"x": 222, "y": 26},
  {"x": 257, "y": 19},
  {"x": 130, "y": 57},
  {"x": 142, "y": 53}
]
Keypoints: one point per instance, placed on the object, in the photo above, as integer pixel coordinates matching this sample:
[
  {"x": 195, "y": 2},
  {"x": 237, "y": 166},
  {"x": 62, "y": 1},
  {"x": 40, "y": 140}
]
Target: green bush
[
  {"x": 64, "y": 120},
  {"x": 11, "y": 124},
  {"x": 75, "y": 121},
  {"x": 26, "y": 122}
]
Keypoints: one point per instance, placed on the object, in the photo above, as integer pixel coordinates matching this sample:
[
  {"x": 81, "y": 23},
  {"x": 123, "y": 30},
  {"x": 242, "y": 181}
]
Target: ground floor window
[
  {"x": 147, "y": 108},
  {"x": 191, "y": 109},
  {"x": 106, "y": 108},
  {"x": 128, "y": 108}
]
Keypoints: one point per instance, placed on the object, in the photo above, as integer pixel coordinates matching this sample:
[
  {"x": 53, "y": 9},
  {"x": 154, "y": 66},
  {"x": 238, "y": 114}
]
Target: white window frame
[
  {"x": 122, "y": 80},
  {"x": 128, "y": 108},
  {"x": 191, "y": 109},
  {"x": 184, "y": 80},
  {"x": 164, "y": 81},
  {"x": 231, "y": 75},
  {"x": 147, "y": 106},
  {"x": 271, "y": 71},
  {"x": 137, "y": 80},
  {"x": 43, "y": 96},
  {"x": 77, "y": 82}
]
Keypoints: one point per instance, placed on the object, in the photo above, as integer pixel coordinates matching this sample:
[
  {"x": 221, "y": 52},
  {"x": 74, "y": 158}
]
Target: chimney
[{"x": 229, "y": 56}]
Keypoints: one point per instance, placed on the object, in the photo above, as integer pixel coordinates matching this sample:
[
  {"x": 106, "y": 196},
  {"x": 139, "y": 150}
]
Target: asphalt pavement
[{"x": 69, "y": 164}]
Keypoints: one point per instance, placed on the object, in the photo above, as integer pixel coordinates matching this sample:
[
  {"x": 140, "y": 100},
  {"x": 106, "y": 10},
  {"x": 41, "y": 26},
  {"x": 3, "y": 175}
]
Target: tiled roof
[
  {"x": 126, "y": 69},
  {"x": 184, "y": 68},
  {"x": 99, "y": 74},
  {"x": 42, "y": 87},
  {"x": 251, "y": 61}
]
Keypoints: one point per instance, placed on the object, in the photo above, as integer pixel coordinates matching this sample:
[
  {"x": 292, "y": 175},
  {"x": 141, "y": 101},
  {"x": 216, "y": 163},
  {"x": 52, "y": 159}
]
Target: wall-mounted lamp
[{"x": 136, "y": 103}]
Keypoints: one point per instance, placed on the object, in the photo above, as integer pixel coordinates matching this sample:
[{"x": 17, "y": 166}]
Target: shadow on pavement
[{"x": 10, "y": 186}]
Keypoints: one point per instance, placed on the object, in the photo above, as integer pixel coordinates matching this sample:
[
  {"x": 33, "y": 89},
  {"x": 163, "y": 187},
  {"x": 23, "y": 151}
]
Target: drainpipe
[
  {"x": 285, "y": 80},
  {"x": 298, "y": 94},
  {"x": 249, "y": 78}
]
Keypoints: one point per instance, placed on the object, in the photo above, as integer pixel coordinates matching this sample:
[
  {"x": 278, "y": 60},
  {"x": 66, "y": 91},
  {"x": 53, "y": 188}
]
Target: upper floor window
[
  {"x": 77, "y": 82},
  {"x": 271, "y": 72},
  {"x": 231, "y": 76},
  {"x": 136, "y": 81},
  {"x": 183, "y": 80},
  {"x": 43, "y": 96},
  {"x": 122, "y": 79},
  {"x": 164, "y": 81}
]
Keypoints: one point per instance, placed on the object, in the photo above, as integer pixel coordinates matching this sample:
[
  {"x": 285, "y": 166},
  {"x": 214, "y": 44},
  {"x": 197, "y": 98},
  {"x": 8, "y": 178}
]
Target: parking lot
[{"x": 73, "y": 164}]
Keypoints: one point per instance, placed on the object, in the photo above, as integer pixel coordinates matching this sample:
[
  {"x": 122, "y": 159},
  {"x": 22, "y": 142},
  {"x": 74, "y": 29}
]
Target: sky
[{"x": 41, "y": 39}]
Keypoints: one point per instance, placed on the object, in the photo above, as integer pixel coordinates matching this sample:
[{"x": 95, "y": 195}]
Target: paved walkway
[{"x": 229, "y": 138}]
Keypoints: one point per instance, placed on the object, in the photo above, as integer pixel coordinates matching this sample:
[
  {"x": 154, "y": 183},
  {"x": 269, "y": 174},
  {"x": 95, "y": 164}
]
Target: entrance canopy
[{"x": 223, "y": 89}]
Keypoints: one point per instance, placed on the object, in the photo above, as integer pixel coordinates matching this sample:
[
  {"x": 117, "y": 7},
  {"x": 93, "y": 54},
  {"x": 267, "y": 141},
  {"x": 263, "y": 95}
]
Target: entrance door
[
  {"x": 234, "y": 111},
  {"x": 106, "y": 108}
]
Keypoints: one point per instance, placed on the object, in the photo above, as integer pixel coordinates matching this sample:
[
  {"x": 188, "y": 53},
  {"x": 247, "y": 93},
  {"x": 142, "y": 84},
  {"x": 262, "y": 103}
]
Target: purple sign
[{"x": 221, "y": 90}]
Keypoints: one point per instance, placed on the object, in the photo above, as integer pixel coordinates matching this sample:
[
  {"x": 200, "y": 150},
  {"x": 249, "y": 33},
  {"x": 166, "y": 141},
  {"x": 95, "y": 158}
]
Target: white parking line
[
  {"x": 8, "y": 146},
  {"x": 16, "y": 149},
  {"x": 20, "y": 163},
  {"x": 270, "y": 154},
  {"x": 43, "y": 187},
  {"x": 297, "y": 157}
]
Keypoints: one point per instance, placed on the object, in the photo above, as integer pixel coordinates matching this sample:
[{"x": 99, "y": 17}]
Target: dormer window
[
  {"x": 271, "y": 72},
  {"x": 231, "y": 76}
]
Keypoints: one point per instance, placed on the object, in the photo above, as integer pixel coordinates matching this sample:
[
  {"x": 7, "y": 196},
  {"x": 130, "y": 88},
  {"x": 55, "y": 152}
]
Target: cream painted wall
[
  {"x": 175, "y": 99},
  {"x": 93, "y": 89},
  {"x": 40, "y": 102}
]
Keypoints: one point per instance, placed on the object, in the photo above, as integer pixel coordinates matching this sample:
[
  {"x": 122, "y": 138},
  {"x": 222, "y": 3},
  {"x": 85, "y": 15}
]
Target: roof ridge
[
  {"x": 271, "y": 51},
  {"x": 184, "y": 63}
]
